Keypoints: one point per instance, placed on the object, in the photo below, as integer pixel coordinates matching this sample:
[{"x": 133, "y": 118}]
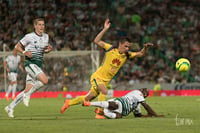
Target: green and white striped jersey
[
  {"x": 130, "y": 101},
  {"x": 13, "y": 62},
  {"x": 36, "y": 44}
]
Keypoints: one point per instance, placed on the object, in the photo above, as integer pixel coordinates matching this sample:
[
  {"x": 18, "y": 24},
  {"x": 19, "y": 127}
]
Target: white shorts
[
  {"x": 32, "y": 73},
  {"x": 12, "y": 76},
  {"x": 119, "y": 110}
]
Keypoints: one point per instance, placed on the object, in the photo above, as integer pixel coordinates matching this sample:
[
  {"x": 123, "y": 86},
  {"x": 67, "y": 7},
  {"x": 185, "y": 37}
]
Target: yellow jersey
[{"x": 113, "y": 61}]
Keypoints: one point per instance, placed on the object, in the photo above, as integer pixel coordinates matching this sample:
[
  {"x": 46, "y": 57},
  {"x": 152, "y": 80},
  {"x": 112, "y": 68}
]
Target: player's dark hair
[
  {"x": 124, "y": 39},
  {"x": 146, "y": 91}
]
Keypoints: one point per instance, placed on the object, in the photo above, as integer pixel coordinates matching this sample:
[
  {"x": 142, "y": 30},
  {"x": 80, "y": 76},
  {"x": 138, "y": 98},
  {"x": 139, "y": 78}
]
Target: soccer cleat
[
  {"x": 26, "y": 100},
  {"x": 65, "y": 106},
  {"x": 13, "y": 98},
  {"x": 9, "y": 111},
  {"x": 7, "y": 98},
  {"x": 99, "y": 116},
  {"x": 99, "y": 113},
  {"x": 86, "y": 103}
]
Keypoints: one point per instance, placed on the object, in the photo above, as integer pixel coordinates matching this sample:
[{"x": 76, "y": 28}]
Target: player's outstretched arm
[
  {"x": 150, "y": 111},
  {"x": 143, "y": 51},
  {"x": 98, "y": 40}
]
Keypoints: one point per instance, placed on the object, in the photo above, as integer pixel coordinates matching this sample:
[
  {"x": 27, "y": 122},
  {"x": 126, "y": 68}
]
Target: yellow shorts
[{"x": 95, "y": 81}]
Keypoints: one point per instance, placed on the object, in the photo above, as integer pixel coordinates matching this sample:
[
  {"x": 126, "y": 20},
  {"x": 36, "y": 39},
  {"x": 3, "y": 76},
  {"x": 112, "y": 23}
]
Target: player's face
[
  {"x": 124, "y": 47},
  {"x": 14, "y": 52},
  {"x": 39, "y": 27},
  {"x": 145, "y": 92}
]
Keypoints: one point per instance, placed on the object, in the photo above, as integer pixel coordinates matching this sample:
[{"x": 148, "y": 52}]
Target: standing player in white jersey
[
  {"x": 12, "y": 63},
  {"x": 118, "y": 107},
  {"x": 33, "y": 46}
]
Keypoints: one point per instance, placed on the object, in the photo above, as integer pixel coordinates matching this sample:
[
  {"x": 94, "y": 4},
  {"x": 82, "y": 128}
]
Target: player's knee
[
  {"x": 43, "y": 78},
  {"x": 118, "y": 115},
  {"x": 112, "y": 105},
  {"x": 105, "y": 91},
  {"x": 45, "y": 82}
]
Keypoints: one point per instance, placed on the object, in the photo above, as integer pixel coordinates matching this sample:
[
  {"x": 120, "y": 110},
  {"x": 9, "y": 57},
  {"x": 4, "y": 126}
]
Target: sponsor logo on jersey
[{"x": 116, "y": 61}]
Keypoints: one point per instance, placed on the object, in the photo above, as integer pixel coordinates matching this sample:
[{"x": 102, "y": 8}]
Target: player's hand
[
  {"x": 28, "y": 54},
  {"x": 8, "y": 70},
  {"x": 48, "y": 48},
  {"x": 147, "y": 45},
  {"x": 160, "y": 116},
  {"x": 146, "y": 115},
  {"x": 107, "y": 24}
]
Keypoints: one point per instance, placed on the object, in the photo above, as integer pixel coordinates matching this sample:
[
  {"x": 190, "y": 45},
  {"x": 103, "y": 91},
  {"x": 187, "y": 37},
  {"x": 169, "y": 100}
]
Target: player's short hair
[
  {"x": 145, "y": 90},
  {"x": 124, "y": 39},
  {"x": 37, "y": 19}
]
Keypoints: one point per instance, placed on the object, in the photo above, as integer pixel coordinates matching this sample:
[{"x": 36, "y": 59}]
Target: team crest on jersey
[
  {"x": 116, "y": 61},
  {"x": 36, "y": 47}
]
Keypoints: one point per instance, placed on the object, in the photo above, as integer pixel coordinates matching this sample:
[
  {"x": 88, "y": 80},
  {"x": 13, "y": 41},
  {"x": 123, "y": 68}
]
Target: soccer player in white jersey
[
  {"x": 33, "y": 46},
  {"x": 12, "y": 63},
  {"x": 118, "y": 107}
]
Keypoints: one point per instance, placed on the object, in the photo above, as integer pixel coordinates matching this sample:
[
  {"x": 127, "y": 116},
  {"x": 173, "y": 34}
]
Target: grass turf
[{"x": 182, "y": 115}]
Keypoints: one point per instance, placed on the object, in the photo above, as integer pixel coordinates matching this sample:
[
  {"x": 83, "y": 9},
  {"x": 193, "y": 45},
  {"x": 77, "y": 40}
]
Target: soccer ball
[{"x": 183, "y": 65}]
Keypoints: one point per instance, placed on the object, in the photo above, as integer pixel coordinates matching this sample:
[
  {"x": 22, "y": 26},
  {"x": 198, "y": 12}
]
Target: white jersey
[
  {"x": 130, "y": 101},
  {"x": 13, "y": 62},
  {"x": 36, "y": 44}
]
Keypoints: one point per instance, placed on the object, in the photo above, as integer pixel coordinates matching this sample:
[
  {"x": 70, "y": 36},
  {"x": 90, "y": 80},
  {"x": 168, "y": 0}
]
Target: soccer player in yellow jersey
[{"x": 114, "y": 59}]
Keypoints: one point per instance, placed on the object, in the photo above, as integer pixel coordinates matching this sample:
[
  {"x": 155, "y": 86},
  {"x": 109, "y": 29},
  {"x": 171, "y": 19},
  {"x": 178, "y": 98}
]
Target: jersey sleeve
[
  {"x": 140, "y": 97},
  {"x": 107, "y": 46},
  {"x": 25, "y": 40},
  {"x": 7, "y": 59},
  {"x": 132, "y": 54}
]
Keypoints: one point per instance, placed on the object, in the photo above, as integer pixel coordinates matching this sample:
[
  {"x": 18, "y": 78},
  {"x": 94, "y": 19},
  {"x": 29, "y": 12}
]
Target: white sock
[
  {"x": 35, "y": 87},
  {"x": 103, "y": 104},
  {"x": 17, "y": 100},
  {"x": 8, "y": 90},
  {"x": 14, "y": 87},
  {"x": 109, "y": 114}
]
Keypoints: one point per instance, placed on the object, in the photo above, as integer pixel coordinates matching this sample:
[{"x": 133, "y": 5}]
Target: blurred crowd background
[{"x": 172, "y": 25}]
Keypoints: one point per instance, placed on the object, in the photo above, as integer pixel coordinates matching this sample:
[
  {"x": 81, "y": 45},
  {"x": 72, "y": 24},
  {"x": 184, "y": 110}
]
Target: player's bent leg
[
  {"x": 14, "y": 90},
  {"x": 112, "y": 105},
  {"x": 8, "y": 92},
  {"x": 102, "y": 97},
  {"x": 26, "y": 96},
  {"x": 76, "y": 101},
  {"x": 112, "y": 115},
  {"x": 31, "y": 88},
  {"x": 43, "y": 78},
  {"x": 10, "y": 108}
]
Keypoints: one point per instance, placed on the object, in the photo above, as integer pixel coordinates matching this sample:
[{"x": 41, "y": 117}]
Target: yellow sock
[
  {"x": 77, "y": 100},
  {"x": 101, "y": 97}
]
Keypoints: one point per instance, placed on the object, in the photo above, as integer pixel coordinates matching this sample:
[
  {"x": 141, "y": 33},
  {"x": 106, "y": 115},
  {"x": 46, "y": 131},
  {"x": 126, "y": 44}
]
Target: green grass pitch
[{"x": 182, "y": 115}]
